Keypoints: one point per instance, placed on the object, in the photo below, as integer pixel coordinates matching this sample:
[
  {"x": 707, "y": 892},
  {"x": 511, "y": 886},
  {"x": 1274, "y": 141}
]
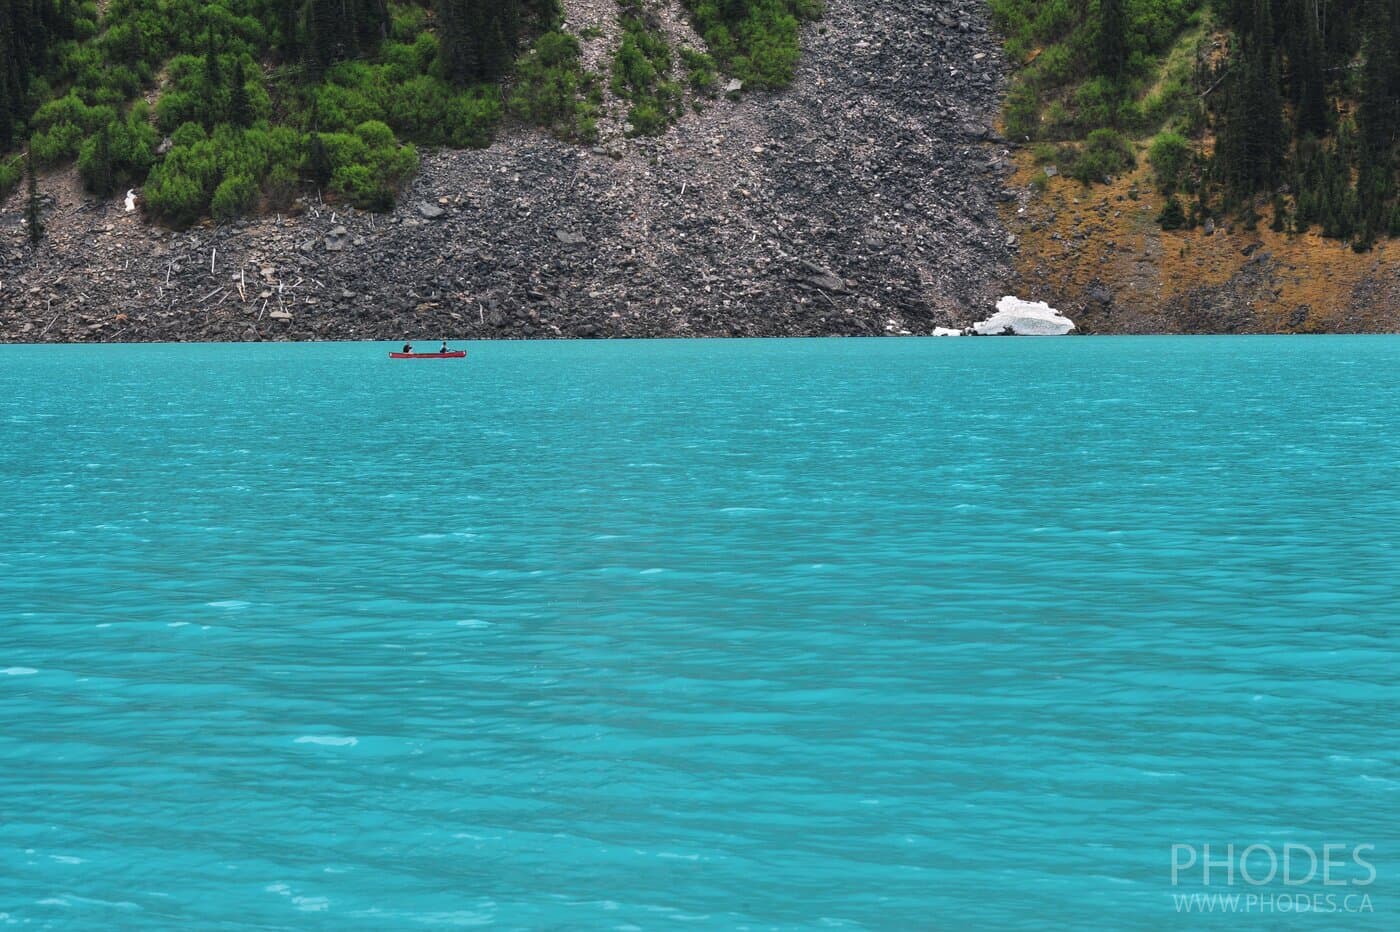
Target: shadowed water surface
[{"x": 771, "y": 634}]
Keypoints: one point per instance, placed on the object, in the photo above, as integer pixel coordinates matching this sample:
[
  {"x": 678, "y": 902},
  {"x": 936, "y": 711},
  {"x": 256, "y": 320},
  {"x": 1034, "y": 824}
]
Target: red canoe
[{"x": 455, "y": 354}]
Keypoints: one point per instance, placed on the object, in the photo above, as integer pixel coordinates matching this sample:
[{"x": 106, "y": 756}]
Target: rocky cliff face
[{"x": 862, "y": 200}]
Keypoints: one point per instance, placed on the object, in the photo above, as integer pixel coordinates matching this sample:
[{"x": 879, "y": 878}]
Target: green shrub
[
  {"x": 221, "y": 172},
  {"x": 407, "y": 22},
  {"x": 1172, "y": 217},
  {"x": 70, "y": 109},
  {"x": 368, "y": 165},
  {"x": 1105, "y": 153},
  {"x": 1097, "y": 104},
  {"x": 1058, "y": 95},
  {"x": 103, "y": 65},
  {"x": 10, "y": 174},
  {"x": 188, "y": 134},
  {"x": 174, "y": 196},
  {"x": 700, "y": 70},
  {"x": 59, "y": 143},
  {"x": 1022, "y": 112},
  {"x": 281, "y": 185},
  {"x": 1169, "y": 155},
  {"x": 95, "y": 164},
  {"x": 235, "y": 196},
  {"x": 358, "y": 185},
  {"x": 641, "y": 74},
  {"x": 550, "y": 87},
  {"x": 757, "y": 40}
]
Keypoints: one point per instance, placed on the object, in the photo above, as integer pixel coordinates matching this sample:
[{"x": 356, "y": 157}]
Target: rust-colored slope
[{"x": 1098, "y": 254}]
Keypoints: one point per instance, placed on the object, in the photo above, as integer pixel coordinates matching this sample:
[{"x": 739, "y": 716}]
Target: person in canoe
[
  {"x": 408, "y": 347},
  {"x": 444, "y": 348}
]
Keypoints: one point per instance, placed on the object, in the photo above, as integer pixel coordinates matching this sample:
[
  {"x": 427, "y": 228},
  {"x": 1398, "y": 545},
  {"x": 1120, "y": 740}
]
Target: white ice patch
[
  {"x": 946, "y": 332},
  {"x": 1025, "y": 318}
]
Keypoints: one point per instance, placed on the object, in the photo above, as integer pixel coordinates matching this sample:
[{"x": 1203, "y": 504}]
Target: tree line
[
  {"x": 28, "y": 31},
  {"x": 1250, "y": 106},
  {"x": 1309, "y": 110},
  {"x": 259, "y": 98},
  {"x": 262, "y": 99}
]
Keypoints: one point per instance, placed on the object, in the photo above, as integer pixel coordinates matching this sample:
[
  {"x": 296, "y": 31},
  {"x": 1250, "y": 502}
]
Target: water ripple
[{"x": 774, "y": 635}]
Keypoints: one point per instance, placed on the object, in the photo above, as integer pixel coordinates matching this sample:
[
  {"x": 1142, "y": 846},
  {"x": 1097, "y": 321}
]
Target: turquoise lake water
[{"x": 862, "y": 634}]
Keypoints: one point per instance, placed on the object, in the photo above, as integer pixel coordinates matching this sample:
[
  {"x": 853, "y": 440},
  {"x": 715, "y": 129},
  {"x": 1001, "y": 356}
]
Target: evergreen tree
[
  {"x": 1379, "y": 114},
  {"x": 1172, "y": 217},
  {"x": 28, "y": 31},
  {"x": 1112, "y": 47},
  {"x": 1249, "y": 154},
  {"x": 289, "y": 28},
  {"x": 318, "y": 160},
  {"x": 478, "y": 38},
  {"x": 99, "y": 175},
  {"x": 323, "y": 34},
  {"x": 214, "y": 90},
  {"x": 240, "y": 109},
  {"x": 1310, "y": 79},
  {"x": 213, "y": 68},
  {"x": 370, "y": 24},
  {"x": 33, "y": 210}
]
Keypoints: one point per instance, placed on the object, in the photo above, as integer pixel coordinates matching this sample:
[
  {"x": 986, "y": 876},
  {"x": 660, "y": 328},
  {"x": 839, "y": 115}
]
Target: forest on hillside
[
  {"x": 1285, "y": 111},
  {"x": 228, "y": 107}
]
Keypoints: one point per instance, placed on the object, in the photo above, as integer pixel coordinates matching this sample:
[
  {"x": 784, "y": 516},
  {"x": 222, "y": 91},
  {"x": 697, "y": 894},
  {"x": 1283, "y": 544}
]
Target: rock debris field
[{"x": 859, "y": 201}]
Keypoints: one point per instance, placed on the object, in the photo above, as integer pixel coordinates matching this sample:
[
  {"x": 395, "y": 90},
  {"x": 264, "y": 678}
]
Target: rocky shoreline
[{"x": 861, "y": 201}]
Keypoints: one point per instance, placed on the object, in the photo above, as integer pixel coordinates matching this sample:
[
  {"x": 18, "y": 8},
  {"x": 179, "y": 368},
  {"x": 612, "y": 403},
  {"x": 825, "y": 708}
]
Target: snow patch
[
  {"x": 130, "y": 200},
  {"x": 1025, "y": 318}
]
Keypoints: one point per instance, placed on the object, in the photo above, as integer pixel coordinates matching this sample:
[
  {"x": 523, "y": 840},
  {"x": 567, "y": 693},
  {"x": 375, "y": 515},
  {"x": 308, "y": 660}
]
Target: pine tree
[
  {"x": 370, "y": 24},
  {"x": 9, "y": 92},
  {"x": 460, "y": 27},
  {"x": 289, "y": 26},
  {"x": 99, "y": 176},
  {"x": 478, "y": 38},
  {"x": 214, "y": 90},
  {"x": 240, "y": 109},
  {"x": 1172, "y": 217},
  {"x": 1311, "y": 82},
  {"x": 318, "y": 160},
  {"x": 1379, "y": 115},
  {"x": 33, "y": 210},
  {"x": 1112, "y": 47},
  {"x": 1251, "y": 146},
  {"x": 28, "y": 29},
  {"x": 213, "y": 68}
]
